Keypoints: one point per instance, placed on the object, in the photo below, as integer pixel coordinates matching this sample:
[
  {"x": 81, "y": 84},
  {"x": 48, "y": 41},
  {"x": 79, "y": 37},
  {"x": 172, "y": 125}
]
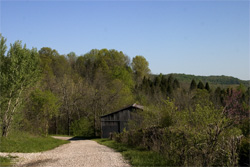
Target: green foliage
[
  {"x": 222, "y": 81},
  {"x": 163, "y": 114},
  {"x": 72, "y": 59},
  {"x": 207, "y": 87},
  {"x": 145, "y": 158},
  {"x": 245, "y": 127},
  {"x": 156, "y": 90},
  {"x": 202, "y": 136},
  {"x": 140, "y": 68},
  {"x": 200, "y": 85},
  {"x": 82, "y": 127},
  {"x": 193, "y": 85},
  {"x": 168, "y": 112},
  {"x": 136, "y": 156},
  {"x": 18, "y": 72},
  {"x": 123, "y": 75},
  {"x": 207, "y": 131},
  {"x": 176, "y": 84},
  {"x": 110, "y": 80},
  {"x": 6, "y": 161},
  {"x": 3, "y": 47},
  {"x": 60, "y": 66},
  {"x": 185, "y": 125},
  {"x": 201, "y": 97},
  {"x": 154, "y": 116},
  {"x": 42, "y": 107},
  {"x": 113, "y": 64},
  {"x": 145, "y": 118},
  {"x": 24, "y": 142}
]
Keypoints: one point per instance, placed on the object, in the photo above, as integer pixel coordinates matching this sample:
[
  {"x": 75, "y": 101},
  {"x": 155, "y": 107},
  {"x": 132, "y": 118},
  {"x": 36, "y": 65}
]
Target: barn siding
[{"x": 117, "y": 121}]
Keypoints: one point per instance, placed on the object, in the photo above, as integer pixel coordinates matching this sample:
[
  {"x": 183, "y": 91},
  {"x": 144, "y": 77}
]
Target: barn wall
[
  {"x": 115, "y": 122},
  {"x": 108, "y": 127}
]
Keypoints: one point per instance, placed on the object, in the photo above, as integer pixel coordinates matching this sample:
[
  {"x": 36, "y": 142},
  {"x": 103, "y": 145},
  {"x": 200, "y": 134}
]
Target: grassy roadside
[
  {"x": 135, "y": 156},
  {"x": 26, "y": 143},
  {"x": 6, "y": 161}
]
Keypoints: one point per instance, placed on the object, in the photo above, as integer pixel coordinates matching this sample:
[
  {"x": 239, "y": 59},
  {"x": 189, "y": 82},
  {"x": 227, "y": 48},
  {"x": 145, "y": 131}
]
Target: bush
[
  {"x": 137, "y": 156},
  {"x": 82, "y": 128},
  {"x": 200, "y": 137}
]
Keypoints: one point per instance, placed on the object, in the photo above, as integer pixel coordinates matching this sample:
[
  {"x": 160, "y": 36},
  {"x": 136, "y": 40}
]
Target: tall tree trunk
[
  {"x": 46, "y": 127},
  {"x": 56, "y": 128},
  {"x": 95, "y": 123},
  {"x": 8, "y": 115},
  {"x": 68, "y": 123},
  {"x": 4, "y": 129}
]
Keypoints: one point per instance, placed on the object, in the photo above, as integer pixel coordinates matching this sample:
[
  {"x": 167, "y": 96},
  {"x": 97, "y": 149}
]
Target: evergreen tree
[
  {"x": 176, "y": 84},
  {"x": 207, "y": 86},
  {"x": 145, "y": 86},
  {"x": 170, "y": 79},
  {"x": 200, "y": 85},
  {"x": 157, "y": 81},
  {"x": 163, "y": 84},
  {"x": 193, "y": 85}
]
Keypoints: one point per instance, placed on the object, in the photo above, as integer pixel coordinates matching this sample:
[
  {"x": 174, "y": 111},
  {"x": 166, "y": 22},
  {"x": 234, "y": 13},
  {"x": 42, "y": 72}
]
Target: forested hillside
[
  {"x": 43, "y": 92},
  {"x": 223, "y": 81}
]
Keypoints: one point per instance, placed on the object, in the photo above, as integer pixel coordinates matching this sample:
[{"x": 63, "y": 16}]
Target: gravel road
[{"x": 76, "y": 153}]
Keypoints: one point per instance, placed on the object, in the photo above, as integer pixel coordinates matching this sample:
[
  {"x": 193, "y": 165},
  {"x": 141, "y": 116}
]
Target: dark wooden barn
[{"x": 117, "y": 121}]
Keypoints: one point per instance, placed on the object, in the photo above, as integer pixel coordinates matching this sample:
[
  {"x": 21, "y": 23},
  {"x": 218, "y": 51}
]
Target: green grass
[
  {"x": 25, "y": 143},
  {"x": 6, "y": 161},
  {"x": 135, "y": 156}
]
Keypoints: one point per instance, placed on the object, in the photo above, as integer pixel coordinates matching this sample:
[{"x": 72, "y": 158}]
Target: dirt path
[{"x": 76, "y": 153}]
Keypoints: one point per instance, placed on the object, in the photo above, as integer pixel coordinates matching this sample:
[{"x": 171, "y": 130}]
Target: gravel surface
[{"x": 76, "y": 153}]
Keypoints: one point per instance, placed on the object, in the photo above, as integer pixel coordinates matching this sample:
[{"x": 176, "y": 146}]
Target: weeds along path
[{"x": 76, "y": 153}]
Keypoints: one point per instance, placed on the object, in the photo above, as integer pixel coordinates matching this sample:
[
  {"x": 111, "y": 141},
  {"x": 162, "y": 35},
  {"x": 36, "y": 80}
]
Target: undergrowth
[
  {"x": 6, "y": 161},
  {"x": 136, "y": 156}
]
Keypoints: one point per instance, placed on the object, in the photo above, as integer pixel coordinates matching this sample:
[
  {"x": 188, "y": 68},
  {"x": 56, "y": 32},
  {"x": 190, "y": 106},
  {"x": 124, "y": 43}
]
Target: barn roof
[{"x": 131, "y": 106}]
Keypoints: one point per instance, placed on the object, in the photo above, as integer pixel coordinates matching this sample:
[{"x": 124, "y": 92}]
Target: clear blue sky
[{"x": 191, "y": 37}]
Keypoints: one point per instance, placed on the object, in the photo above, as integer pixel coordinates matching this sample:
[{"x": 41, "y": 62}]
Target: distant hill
[{"x": 223, "y": 81}]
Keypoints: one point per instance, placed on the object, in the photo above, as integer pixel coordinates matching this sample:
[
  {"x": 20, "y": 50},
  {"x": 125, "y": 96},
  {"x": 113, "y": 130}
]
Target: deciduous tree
[
  {"x": 140, "y": 68},
  {"x": 44, "y": 105},
  {"x": 19, "y": 70}
]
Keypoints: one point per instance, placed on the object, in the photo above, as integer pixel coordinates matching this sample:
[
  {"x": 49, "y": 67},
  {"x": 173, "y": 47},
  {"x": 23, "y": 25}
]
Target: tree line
[
  {"x": 222, "y": 81},
  {"x": 43, "y": 92},
  {"x": 195, "y": 126}
]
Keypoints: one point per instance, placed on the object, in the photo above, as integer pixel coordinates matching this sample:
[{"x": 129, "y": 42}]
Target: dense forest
[
  {"x": 191, "y": 122},
  {"x": 215, "y": 81}
]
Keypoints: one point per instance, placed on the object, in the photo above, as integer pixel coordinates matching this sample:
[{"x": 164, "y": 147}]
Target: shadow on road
[
  {"x": 40, "y": 162},
  {"x": 82, "y": 138},
  {"x": 74, "y": 138}
]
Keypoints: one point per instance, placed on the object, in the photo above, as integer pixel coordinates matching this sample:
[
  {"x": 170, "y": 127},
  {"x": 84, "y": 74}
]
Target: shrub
[
  {"x": 200, "y": 137},
  {"x": 82, "y": 127}
]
